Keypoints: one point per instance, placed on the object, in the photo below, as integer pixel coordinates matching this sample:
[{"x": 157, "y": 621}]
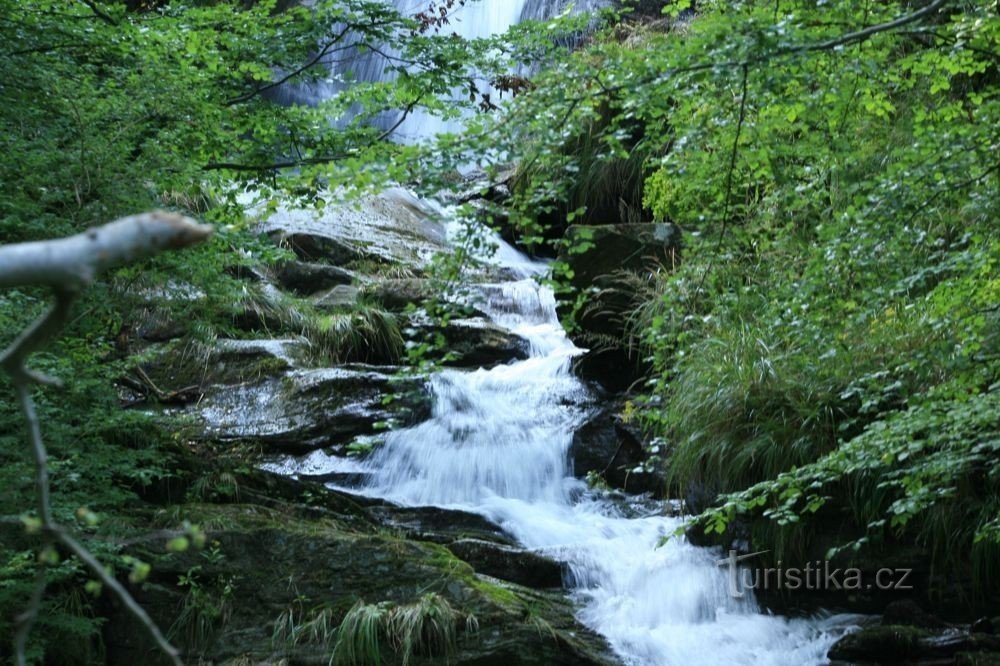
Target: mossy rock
[
  {"x": 884, "y": 643},
  {"x": 304, "y": 410},
  {"x": 264, "y": 561}
]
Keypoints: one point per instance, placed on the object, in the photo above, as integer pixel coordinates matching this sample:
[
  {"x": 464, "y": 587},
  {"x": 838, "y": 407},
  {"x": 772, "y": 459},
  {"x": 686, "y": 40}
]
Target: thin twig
[
  {"x": 26, "y": 620},
  {"x": 68, "y": 265},
  {"x": 127, "y": 600},
  {"x": 729, "y": 183}
]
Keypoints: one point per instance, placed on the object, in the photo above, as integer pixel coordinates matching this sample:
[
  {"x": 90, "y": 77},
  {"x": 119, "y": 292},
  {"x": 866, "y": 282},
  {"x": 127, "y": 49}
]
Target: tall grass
[
  {"x": 364, "y": 334},
  {"x": 426, "y": 627},
  {"x": 745, "y": 407}
]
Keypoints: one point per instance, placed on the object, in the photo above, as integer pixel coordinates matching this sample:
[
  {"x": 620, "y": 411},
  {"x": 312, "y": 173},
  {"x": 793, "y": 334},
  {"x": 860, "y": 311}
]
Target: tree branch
[
  {"x": 68, "y": 265},
  {"x": 100, "y": 13},
  {"x": 295, "y": 72},
  {"x": 72, "y": 263}
]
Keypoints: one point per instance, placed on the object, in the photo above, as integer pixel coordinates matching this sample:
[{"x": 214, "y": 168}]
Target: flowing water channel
[{"x": 498, "y": 444}]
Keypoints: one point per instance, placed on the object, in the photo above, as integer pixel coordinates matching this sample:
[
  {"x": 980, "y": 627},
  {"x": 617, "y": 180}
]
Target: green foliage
[
  {"x": 363, "y": 334},
  {"x": 830, "y": 341},
  {"x": 425, "y": 627},
  {"x": 205, "y": 608}
]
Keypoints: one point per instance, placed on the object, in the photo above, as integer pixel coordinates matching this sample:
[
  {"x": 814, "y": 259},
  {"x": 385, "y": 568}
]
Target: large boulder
[
  {"x": 606, "y": 263},
  {"x": 309, "y": 554},
  {"x": 392, "y": 228},
  {"x": 304, "y": 410}
]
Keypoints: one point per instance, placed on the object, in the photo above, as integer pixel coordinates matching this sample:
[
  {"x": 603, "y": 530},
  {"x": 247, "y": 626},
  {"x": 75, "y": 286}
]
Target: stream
[{"x": 498, "y": 442}]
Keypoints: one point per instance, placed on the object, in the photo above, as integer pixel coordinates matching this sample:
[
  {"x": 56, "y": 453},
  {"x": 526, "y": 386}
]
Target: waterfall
[
  {"x": 497, "y": 444},
  {"x": 472, "y": 20}
]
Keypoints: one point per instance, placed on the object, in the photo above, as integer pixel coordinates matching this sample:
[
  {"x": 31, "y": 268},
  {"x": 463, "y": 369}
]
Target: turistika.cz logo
[{"x": 819, "y": 575}]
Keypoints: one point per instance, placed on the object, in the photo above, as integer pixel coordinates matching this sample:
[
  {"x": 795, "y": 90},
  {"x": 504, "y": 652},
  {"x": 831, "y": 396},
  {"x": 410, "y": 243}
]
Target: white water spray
[
  {"x": 498, "y": 442},
  {"x": 472, "y": 20}
]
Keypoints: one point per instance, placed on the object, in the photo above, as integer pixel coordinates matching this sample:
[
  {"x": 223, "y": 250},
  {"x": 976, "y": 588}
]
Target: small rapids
[{"x": 497, "y": 444}]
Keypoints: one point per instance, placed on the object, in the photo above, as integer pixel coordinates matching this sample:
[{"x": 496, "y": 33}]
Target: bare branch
[
  {"x": 73, "y": 263},
  {"x": 68, "y": 265},
  {"x": 109, "y": 581},
  {"x": 33, "y": 338}
]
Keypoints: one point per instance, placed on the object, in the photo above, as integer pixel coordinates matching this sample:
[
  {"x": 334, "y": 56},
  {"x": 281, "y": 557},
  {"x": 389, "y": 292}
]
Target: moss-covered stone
[{"x": 260, "y": 561}]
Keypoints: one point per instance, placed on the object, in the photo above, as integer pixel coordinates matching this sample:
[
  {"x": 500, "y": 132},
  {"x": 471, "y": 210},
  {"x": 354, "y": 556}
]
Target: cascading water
[
  {"x": 472, "y": 20},
  {"x": 497, "y": 444}
]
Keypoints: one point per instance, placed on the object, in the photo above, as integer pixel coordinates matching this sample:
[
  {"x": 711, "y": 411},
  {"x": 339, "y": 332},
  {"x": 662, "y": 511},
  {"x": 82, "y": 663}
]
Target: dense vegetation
[{"x": 825, "y": 356}]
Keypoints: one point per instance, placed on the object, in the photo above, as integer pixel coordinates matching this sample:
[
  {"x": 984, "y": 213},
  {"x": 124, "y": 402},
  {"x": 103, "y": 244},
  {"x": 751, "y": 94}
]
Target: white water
[
  {"x": 474, "y": 20},
  {"x": 497, "y": 444}
]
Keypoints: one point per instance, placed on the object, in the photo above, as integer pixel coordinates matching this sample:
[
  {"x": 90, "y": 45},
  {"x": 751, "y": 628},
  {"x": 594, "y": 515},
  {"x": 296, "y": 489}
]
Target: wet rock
[
  {"x": 983, "y": 625},
  {"x": 607, "y": 264},
  {"x": 398, "y": 294},
  {"x": 178, "y": 366},
  {"x": 316, "y": 247},
  {"x": 606, "y": 362},
  {"x": 474, "y": 342},
  {"x": 516, "y": 565},
  {"x": 439, "y": 525},
  {"x": 304, "y": 410},
  {"x": 342, "y": 296},
  {"x": 393, "y": 228},
  {"x": 879, "y": 644},
  {"x": 901, "y": 644},
  {"x": 309, "y": 278},
  {"x": 479, "y": 185},
  {"x": 614, "y": 451}
]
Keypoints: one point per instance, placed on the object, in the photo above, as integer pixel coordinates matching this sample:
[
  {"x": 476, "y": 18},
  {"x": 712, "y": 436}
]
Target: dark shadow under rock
[
  {"x": 309, "y": 278},
  {"x": 614, "y": 451}
]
